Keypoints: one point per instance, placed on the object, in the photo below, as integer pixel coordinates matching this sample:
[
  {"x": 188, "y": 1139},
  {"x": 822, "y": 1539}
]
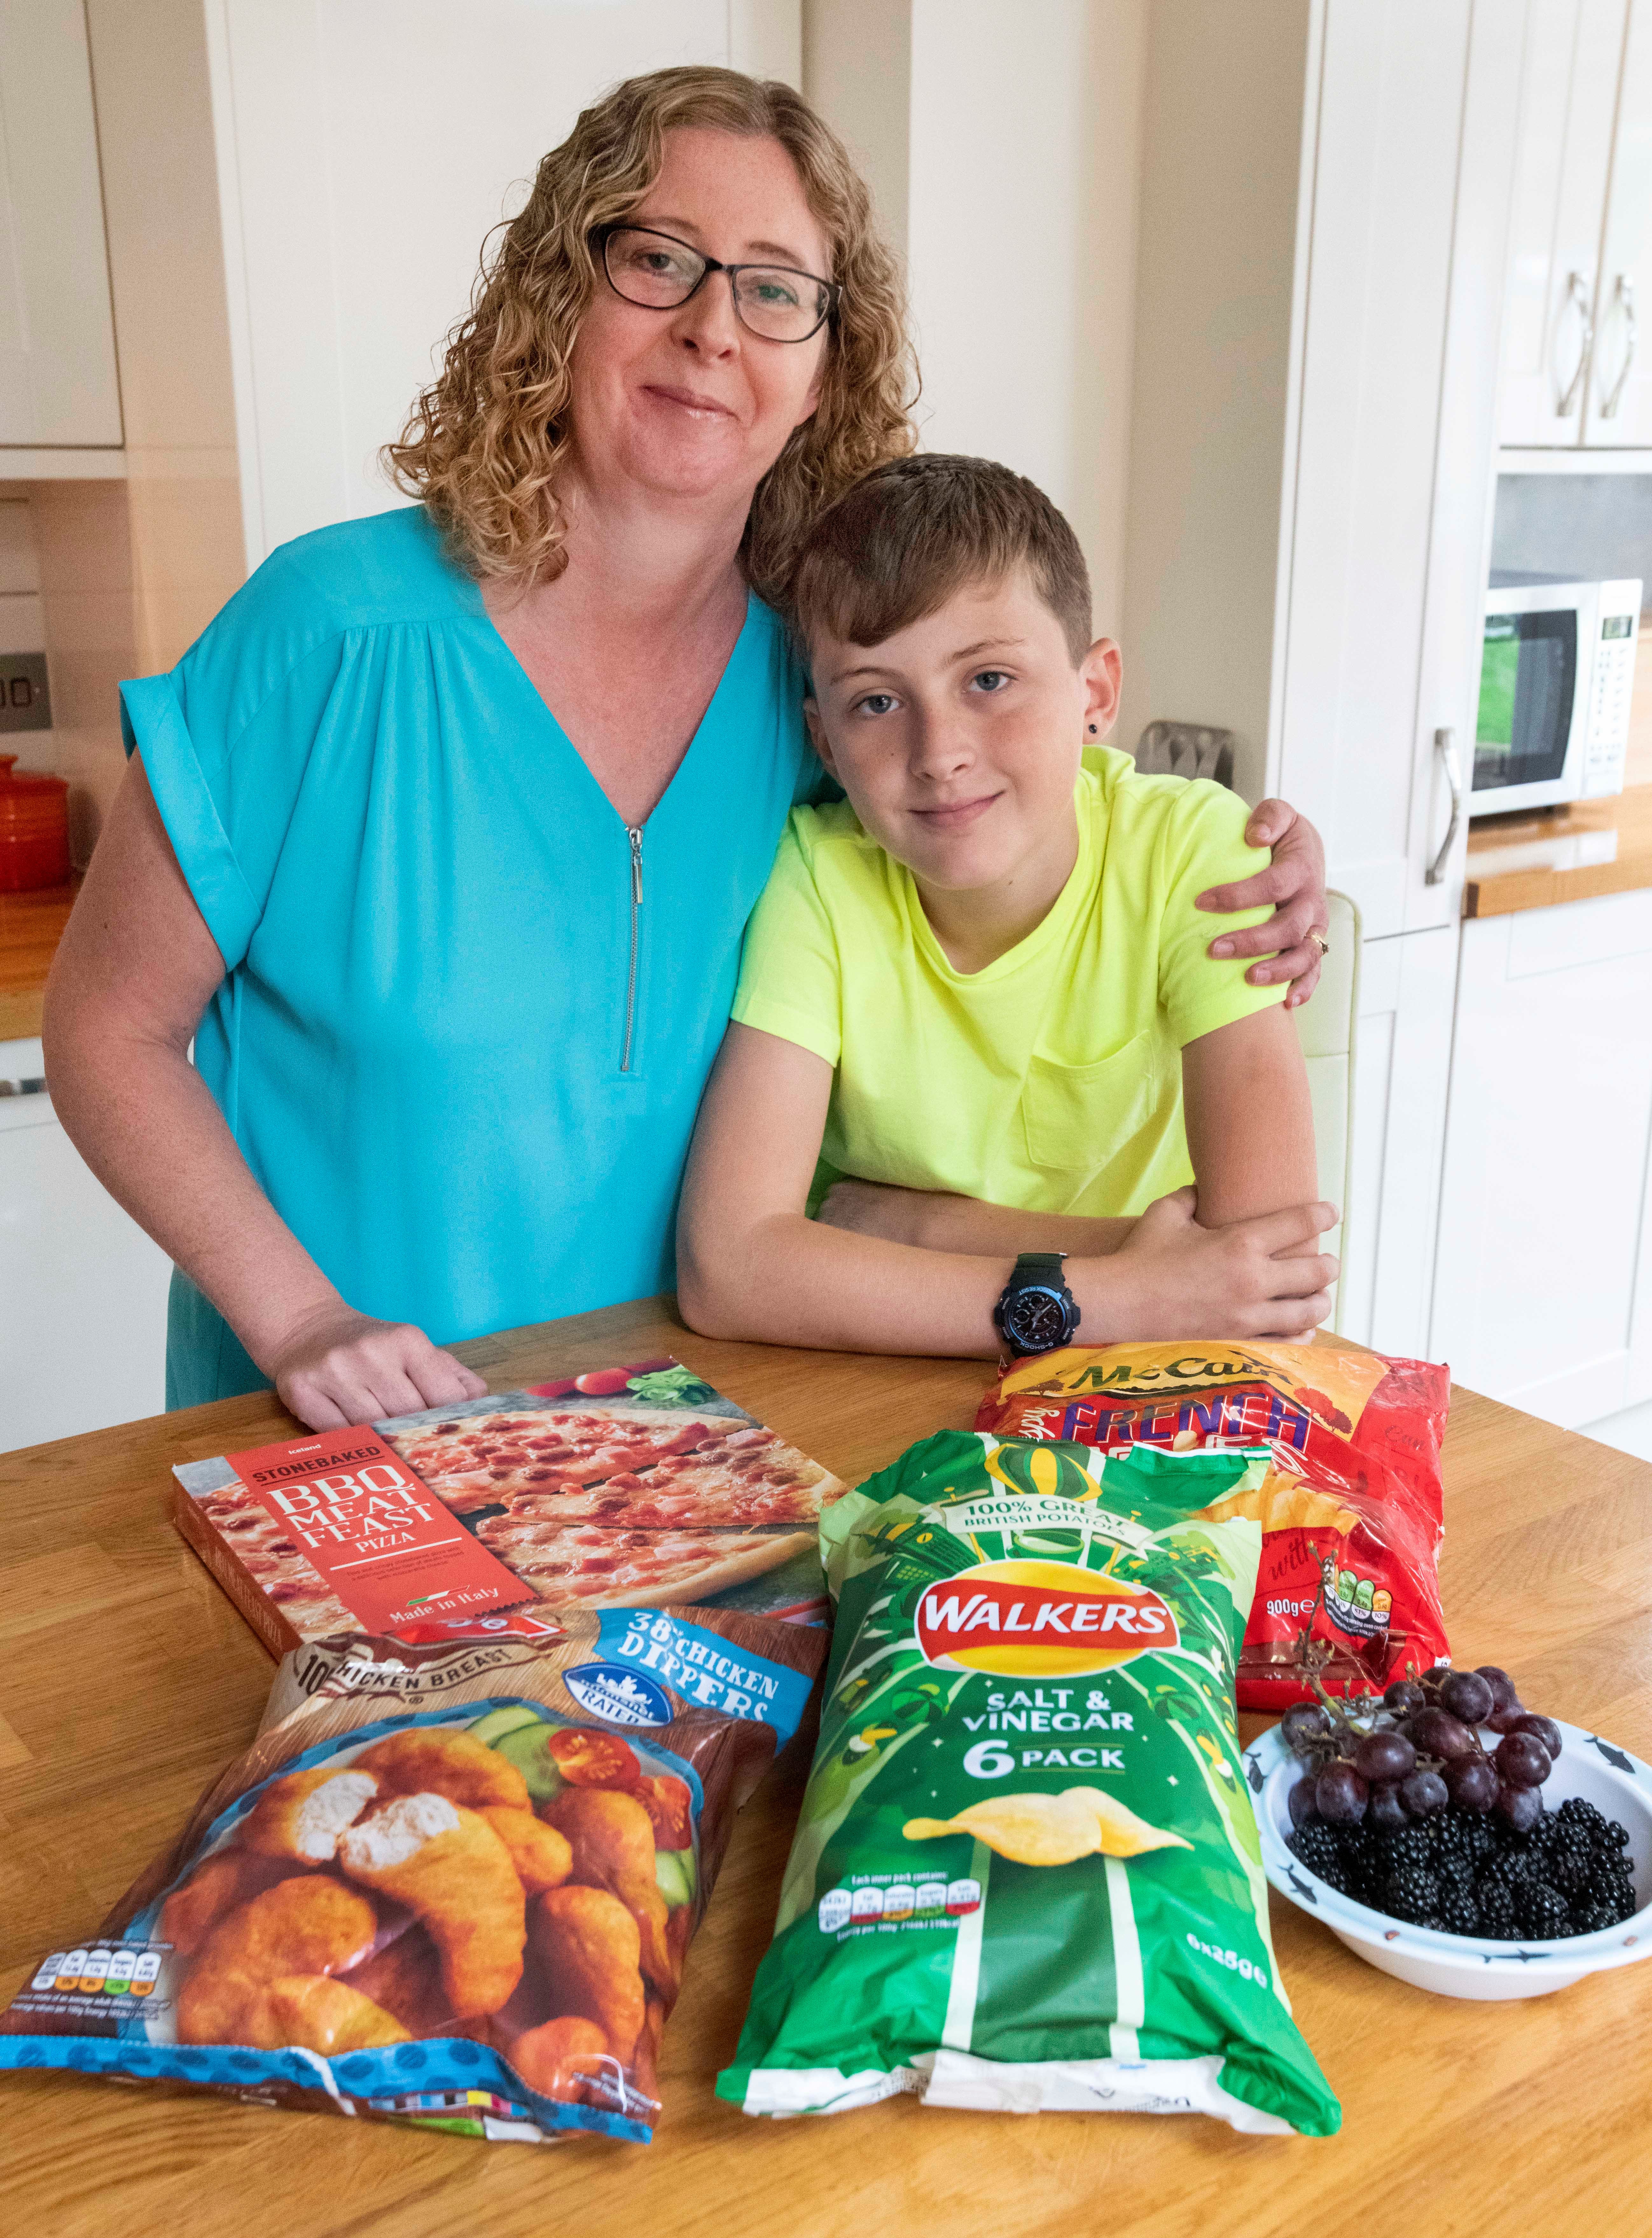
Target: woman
[{"x": 455, "y": 965}]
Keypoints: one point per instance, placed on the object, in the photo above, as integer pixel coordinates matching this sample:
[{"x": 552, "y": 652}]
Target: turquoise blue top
[{"x": 468, "y": 1014}]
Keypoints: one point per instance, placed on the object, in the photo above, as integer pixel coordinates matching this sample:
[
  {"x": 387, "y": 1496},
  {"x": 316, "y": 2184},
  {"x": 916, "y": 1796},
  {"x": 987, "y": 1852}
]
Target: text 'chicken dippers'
[{"x": 451, "y": 1885}]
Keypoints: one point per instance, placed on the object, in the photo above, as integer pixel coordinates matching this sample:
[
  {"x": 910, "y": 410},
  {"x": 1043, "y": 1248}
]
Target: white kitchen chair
[{"x": 1326, "y": 1027}]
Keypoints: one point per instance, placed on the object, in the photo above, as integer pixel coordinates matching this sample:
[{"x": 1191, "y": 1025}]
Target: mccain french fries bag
[
  {"x": 1349, "y": 1581},
  {"x": 451, "y": 1886},
  {"x": 1026, "y": 1875}
]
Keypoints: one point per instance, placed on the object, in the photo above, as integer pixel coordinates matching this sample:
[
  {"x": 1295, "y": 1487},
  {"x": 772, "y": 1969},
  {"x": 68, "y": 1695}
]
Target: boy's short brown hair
[{"x": 907, "y": 536}]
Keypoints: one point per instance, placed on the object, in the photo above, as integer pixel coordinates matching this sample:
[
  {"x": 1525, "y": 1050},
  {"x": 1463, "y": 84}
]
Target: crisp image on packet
[
  {"x": 450, "y": 1885},
  {"x": 1347, "y": 1591},
  {"x": 1026, "y": 1875}
]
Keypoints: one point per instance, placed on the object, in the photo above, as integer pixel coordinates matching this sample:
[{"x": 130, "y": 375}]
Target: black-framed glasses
[{"x": 659, "y": 272}]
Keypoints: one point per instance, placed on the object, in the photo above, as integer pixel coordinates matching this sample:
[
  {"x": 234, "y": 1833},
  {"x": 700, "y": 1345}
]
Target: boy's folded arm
[
  {"x": 938, "y": 1220},
  {"x": 751, "y": 1263}
]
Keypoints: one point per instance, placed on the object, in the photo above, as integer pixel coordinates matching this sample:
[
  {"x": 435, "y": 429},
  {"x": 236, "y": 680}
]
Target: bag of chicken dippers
[
  {"x": 1349, "y": 1583},
  {"x": 451, "y": 1886}
]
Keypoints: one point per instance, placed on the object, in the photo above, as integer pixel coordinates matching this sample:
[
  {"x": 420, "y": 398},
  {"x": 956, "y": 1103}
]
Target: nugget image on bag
[
  {"x": 434, "y": 1760},
  {"x": 302, "y": 1817},
  {"x": 587, "y": 1941},
  {"x": 434, "y": 1891},
  {"x": 1026, "y": 1874},
  {"x": 227, "y": 1878},
  {"x": 301, "y": 1927},
  {"x": 455, "y": 1876},
  {"x": 611, "y": 1838}
]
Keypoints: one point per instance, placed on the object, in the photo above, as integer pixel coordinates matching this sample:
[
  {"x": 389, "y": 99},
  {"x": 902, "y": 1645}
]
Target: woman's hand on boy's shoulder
[{"x": 1295, "y": 883}]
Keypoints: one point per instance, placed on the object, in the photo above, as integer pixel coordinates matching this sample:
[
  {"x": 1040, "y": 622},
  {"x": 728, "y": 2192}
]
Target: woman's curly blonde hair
[{"x": 484, "y": 443}]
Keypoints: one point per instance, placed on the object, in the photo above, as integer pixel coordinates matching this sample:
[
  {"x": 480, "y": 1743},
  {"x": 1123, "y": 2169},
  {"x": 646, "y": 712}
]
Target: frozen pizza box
[
  {"x": 622, "y": 1488},
  {"x": 335, "y": 1533}
]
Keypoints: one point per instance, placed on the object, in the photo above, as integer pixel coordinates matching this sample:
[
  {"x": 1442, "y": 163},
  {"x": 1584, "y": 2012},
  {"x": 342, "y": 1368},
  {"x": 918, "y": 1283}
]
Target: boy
[{"x": 975, "y": 1019}]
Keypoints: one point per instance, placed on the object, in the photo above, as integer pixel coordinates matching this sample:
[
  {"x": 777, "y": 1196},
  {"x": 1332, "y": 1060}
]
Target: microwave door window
[{"x": 1528, "y": 678}]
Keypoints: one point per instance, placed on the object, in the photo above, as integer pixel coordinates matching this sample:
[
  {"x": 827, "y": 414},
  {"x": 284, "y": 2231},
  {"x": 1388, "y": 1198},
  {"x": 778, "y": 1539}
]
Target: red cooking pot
[{"x": 34, "y": 829}]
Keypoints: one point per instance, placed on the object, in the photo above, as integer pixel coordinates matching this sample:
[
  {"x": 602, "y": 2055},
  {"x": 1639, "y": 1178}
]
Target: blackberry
[
  {"x": 1572, "y": 1875},
  {"x": 1544, "y": 1911},
  {"x": 1478, "y": 1838},
  {"x": 1618, "y": 1835},
  {"x": 1574, "y": 1811},
  {"x": 1315, "y": 1844},
  {"x": 1589, "y": 1918},
  {"x": 1570, "y": 1839},
  {"x": 1409, "y": 1850},
  {"x": 1497, "y": 1909},
  {"x": 1454, "y": 1870},
  {"x": 1459, "y": 1913},
  {"x": 1411, "y": 1894}
]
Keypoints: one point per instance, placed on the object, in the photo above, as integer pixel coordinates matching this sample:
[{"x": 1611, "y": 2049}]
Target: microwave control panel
[{"x": 1611, "y": 687}]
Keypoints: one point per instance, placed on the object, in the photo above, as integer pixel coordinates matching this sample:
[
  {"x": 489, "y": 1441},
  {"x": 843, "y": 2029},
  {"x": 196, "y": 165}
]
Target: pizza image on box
[
  {"x": 634, "y": 1469},
  {"x": 593, "y": 1566},
  {"x": 628, "y": 1487}
]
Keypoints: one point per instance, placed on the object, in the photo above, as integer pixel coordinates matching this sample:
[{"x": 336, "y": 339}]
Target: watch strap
[{"x": 1041, "y": 1269}]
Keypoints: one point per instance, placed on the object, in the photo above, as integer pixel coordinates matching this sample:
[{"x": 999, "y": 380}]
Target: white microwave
[{"x": 1557, "y": 676}]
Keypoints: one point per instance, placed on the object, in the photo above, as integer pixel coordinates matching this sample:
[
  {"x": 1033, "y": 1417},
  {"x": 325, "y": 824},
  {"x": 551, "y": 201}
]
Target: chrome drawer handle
[
  {"x": 1578, "y": 295},
  {"x": 1446, "y": 744},
  {"x": 1624, "y": 294}
]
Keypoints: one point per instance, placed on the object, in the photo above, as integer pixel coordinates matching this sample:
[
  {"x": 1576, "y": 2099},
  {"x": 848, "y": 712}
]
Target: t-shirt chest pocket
[{"x": 1077, "y": 1117}]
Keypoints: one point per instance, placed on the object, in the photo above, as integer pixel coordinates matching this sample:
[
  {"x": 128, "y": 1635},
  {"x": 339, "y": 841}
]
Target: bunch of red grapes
[{"x": 1422, "y": 1751}]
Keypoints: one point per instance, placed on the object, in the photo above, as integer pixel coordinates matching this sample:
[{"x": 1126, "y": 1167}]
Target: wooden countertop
[
  {"x": 30, "y": 927},
  {"x": 1589, "y": 847},
  {"x": 127, "y": 1680}
]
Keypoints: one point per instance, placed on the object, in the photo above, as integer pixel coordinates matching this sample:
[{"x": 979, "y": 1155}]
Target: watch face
[{"x": 1036, "y": 1321}]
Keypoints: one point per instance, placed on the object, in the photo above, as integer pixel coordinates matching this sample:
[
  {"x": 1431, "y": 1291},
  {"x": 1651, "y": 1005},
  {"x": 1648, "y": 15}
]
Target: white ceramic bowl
[{"x": 1619, "y": 1786}]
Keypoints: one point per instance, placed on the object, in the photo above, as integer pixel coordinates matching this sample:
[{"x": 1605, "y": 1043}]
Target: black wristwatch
[{"x": 1036, "y": 1312}]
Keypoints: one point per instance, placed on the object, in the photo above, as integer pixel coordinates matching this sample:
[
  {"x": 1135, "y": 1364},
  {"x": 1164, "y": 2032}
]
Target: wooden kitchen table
[{"x": 126, "y": 1681}]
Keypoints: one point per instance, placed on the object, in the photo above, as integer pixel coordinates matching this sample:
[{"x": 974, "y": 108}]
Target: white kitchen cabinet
[
  {"x": 1581, "y": 237},
  {"x": 83, "y": 1290},
  {"x": 1324, "y": 236},
  {"x": 57, "y": 376},
  {"x": 1618, "y": 407},
  {"x": 1545, "y": 1265},
  {"x": 1401, "y": 1063}
]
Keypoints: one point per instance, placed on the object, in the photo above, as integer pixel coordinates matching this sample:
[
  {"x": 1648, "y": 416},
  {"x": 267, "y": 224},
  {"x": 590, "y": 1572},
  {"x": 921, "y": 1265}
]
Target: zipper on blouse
[{"x": 634, "y": 833}]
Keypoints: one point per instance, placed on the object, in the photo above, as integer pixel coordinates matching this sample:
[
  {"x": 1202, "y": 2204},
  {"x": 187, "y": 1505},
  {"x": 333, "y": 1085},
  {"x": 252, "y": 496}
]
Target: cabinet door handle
[
  {"x": 1445, "y": 745},
  {"x": 1577, "y": 296},
  {"x": 1623, "y": 294}
]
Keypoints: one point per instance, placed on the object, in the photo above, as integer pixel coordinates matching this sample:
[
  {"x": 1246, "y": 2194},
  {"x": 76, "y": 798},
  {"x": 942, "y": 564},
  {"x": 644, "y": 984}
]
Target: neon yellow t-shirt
[{"x": 1052, "y": 1080}]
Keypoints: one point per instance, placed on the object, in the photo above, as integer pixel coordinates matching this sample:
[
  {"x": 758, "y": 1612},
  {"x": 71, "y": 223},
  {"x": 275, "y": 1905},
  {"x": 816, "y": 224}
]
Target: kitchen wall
[
  {"x": 1219, "y": 229},
  {"x": 153, "y": 97},
  {"x": 1002, "y": 155}
]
